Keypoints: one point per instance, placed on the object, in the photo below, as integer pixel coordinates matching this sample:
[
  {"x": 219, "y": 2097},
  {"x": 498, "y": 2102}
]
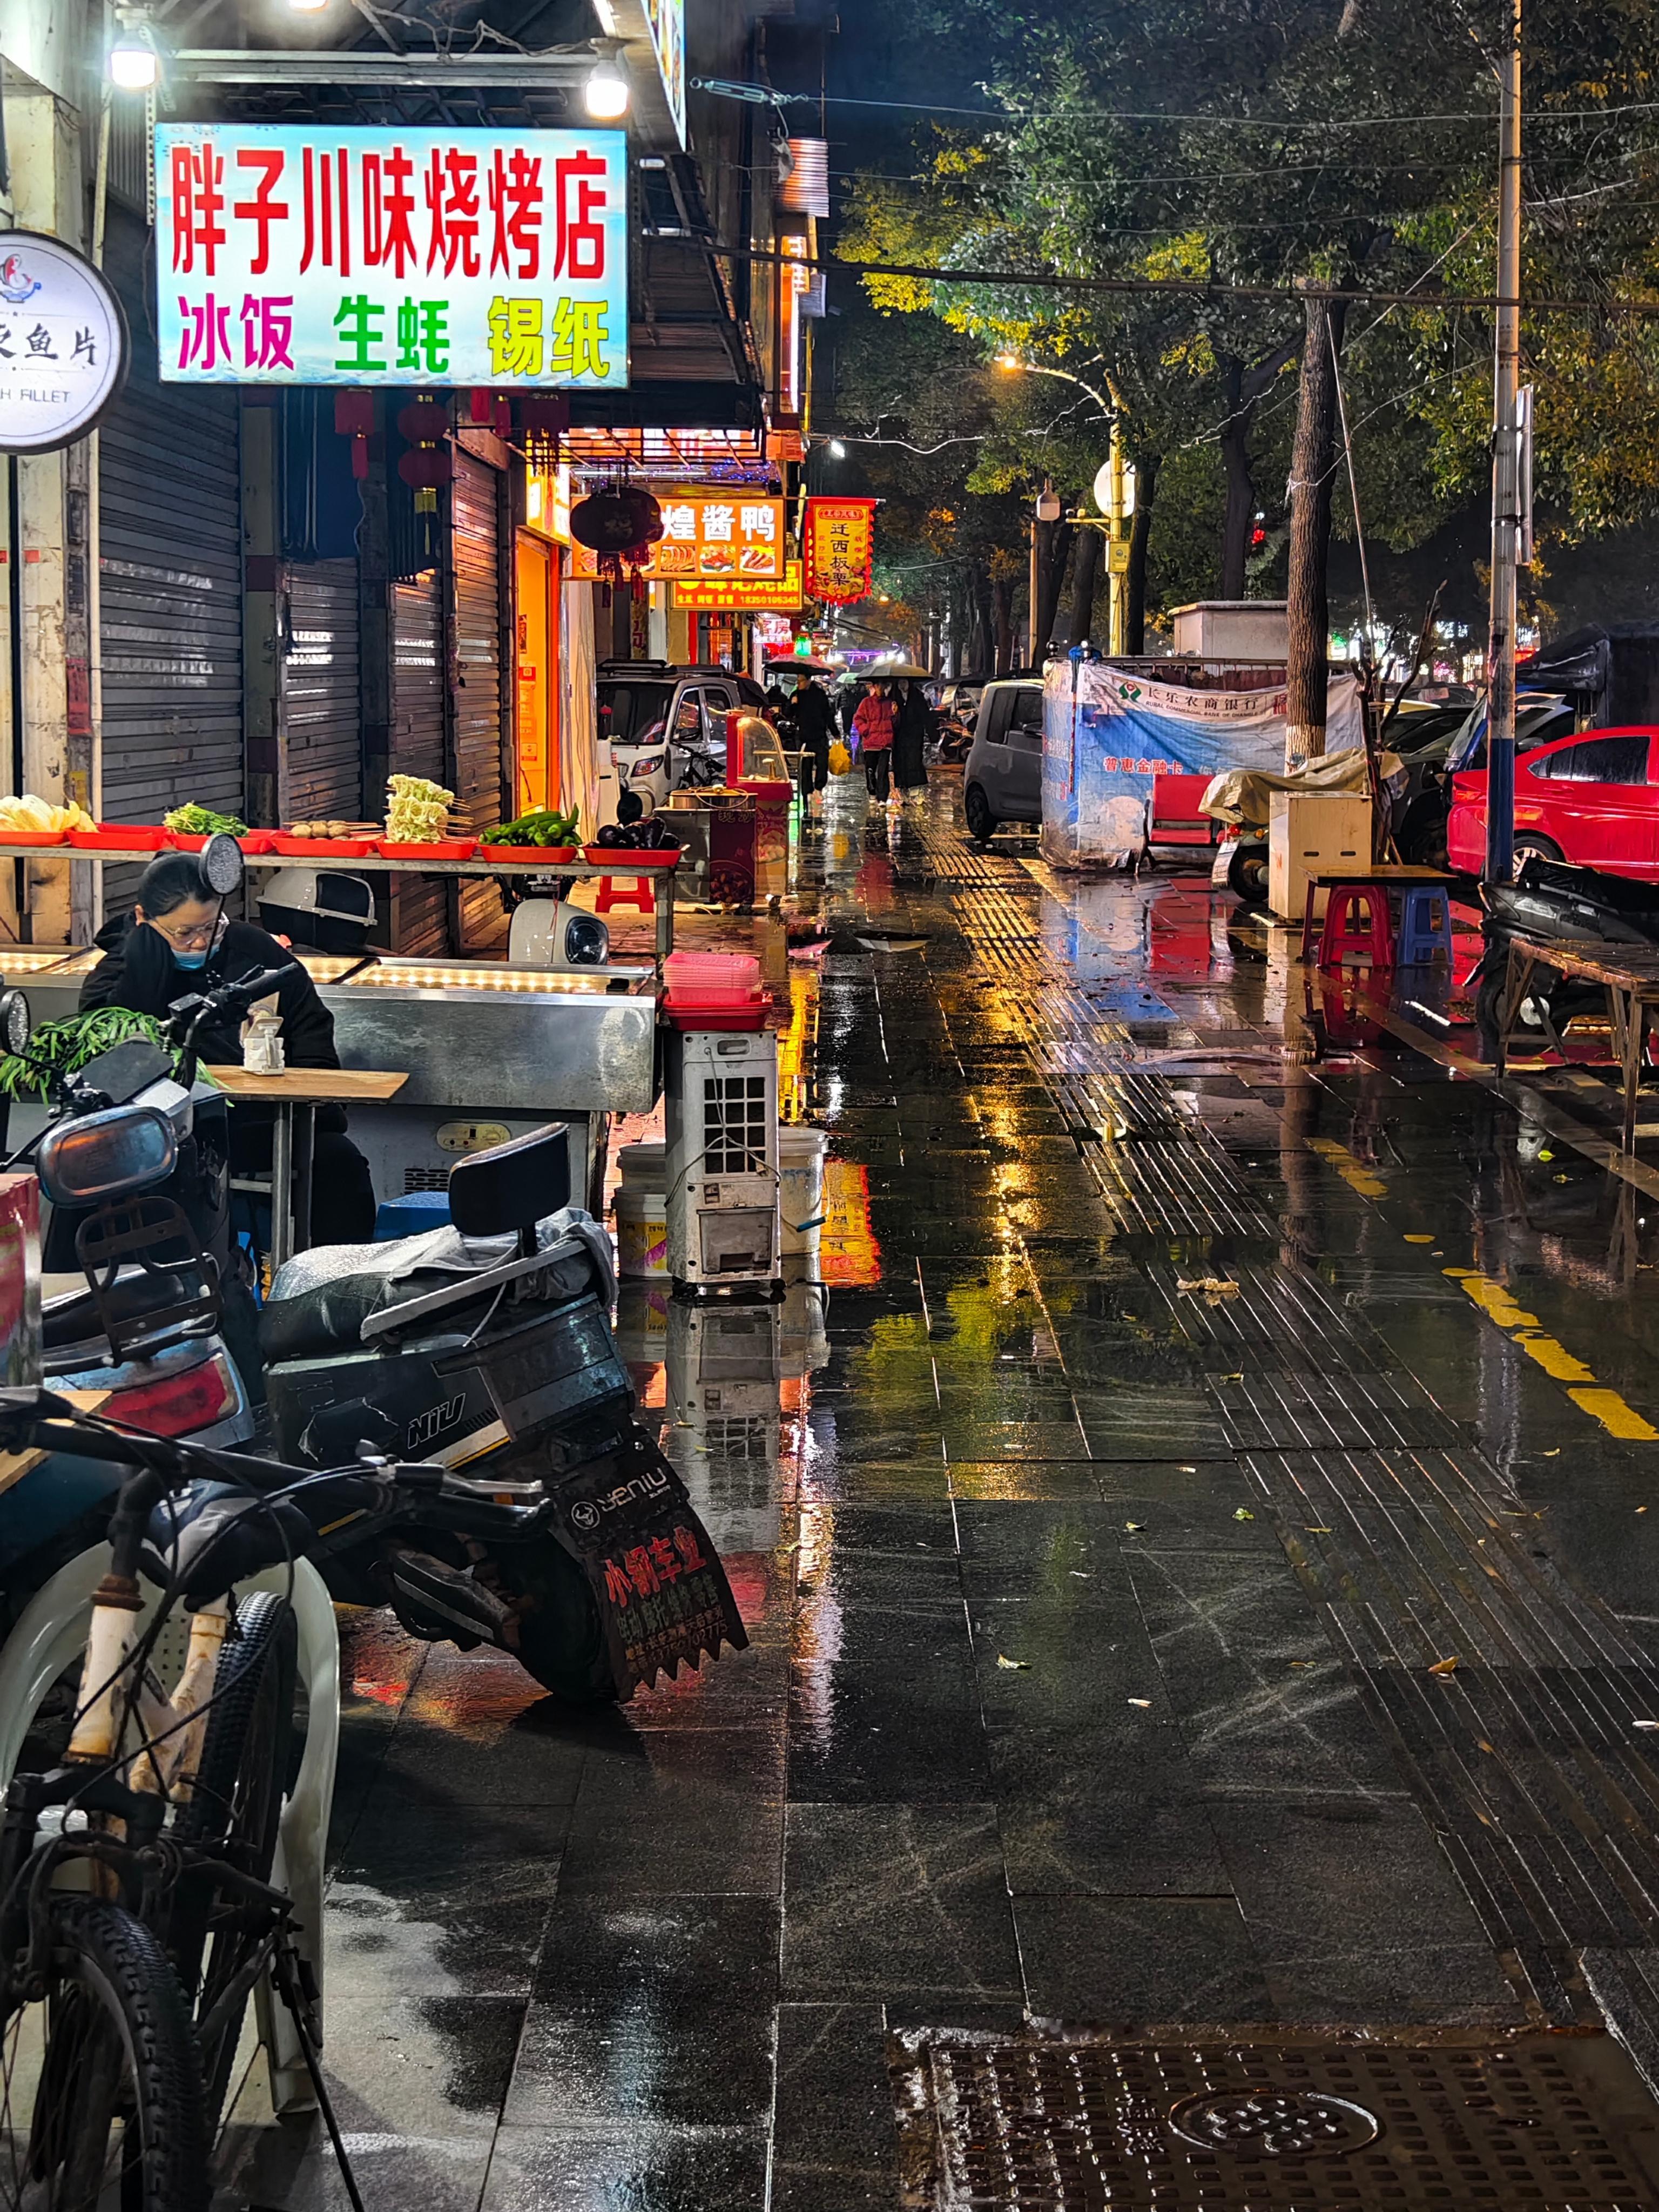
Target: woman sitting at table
[{"x": 178, "y": 940}]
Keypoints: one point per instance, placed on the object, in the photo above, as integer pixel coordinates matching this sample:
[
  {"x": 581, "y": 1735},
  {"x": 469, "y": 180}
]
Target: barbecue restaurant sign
[
  {"x": 290, "y": 254},
  {"x": 63, "y": 344}
]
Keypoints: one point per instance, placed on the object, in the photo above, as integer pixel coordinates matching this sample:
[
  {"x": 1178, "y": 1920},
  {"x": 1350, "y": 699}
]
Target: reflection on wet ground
[{"x": 1193, "y": 1533}]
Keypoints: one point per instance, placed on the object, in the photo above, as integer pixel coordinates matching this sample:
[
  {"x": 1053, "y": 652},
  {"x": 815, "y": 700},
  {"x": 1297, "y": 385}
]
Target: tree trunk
[
  {"x": 1313, "y": 474},
  {"x": 1141, "y": 532},
  {"x": 1241, "y": 488},
  {"x": 982, "y": 654},
  {"x": 1002, "y": 598},
  {"x": 1086, "y": 575},
  {"x": 1053, "y": 551}
]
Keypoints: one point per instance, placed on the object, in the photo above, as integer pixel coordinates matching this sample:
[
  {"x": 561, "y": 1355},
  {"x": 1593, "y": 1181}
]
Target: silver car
[{"x": 1002, "y": 779}]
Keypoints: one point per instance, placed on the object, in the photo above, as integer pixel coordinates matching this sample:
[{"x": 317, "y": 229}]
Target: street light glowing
[
  {"x": 307, "y": 7},
  {"x": 837, "y": 450},
  {"x": 1009, "y": 361},
  {"x": 134, "y": 64},
  {"x": 604, "y": 95}
]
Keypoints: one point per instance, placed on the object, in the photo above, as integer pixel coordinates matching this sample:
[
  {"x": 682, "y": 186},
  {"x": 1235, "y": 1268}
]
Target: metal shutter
[
  {"x": 477, "y": 540},
  {"x": 170, "y": 575},
  {"x": 419, "y": 908},
  {"x": 321, "y": 707}
]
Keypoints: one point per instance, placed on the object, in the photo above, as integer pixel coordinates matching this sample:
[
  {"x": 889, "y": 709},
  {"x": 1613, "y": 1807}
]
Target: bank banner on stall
[
  {"x": 1106, "y": 734},
  {"x": 296, "y": 253}
]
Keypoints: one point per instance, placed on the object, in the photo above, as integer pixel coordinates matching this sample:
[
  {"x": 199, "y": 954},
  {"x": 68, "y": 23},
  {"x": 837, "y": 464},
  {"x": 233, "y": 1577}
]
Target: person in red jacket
[{"x": 872, "y": 725}]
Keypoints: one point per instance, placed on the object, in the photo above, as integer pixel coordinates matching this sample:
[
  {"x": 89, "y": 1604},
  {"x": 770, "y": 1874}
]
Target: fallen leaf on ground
[
  {"x": 1556, "y": 1454},
  {"x": 1146, "y": 1704},
  {"x": 1485, "y": 1746},
  {"x": 1136, "y": 1525},
  {"x": 1243, "y": 1513},
  {"x": 1081, "y": 1574},
  {"x": 1313, "y": 1529},
  {"x": 1212, "y": 1288},
  {"x": 1444, "y": 1666},
  {"x": 1014, "y": 1665}
]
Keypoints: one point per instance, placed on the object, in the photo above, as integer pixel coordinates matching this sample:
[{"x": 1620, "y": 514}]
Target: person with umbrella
[
  {"x": 872, "y": 725},
  {"x": 812, "y": 721},
  {"x": 912, "y": 730}
]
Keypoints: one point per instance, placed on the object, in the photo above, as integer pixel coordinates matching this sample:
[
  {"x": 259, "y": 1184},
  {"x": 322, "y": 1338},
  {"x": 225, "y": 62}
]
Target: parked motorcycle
[{"x": 484, "y": 1350}]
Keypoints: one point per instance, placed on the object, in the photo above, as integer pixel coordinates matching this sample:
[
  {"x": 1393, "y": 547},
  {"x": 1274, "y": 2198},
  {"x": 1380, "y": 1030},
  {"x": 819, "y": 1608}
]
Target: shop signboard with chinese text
[
  {"x": 63, "y": 344},
  {"x": 742, "y": 594},
  {"x": 666, "y": 19},
  {"x": 290, "y": 254},
  {"x": 709, "y": 534},
  {"x": 840, "y": 545}
]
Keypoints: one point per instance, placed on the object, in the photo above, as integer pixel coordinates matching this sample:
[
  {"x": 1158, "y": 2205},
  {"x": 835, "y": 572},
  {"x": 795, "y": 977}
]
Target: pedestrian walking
[
  {"x": 814, "y": 725},
  {"x": 872, "y": 725},
  {"x": 913, "y": 732}
]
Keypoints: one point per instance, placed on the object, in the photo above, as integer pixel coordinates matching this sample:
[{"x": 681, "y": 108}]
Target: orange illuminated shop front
[{"x": 539, "y": 571}]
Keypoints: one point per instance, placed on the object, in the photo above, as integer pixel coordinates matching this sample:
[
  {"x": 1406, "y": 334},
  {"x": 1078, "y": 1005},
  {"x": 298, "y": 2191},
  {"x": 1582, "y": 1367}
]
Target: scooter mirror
[
  {"x": 15, "y": 1023},
  {"x": 222, "y": 866}
]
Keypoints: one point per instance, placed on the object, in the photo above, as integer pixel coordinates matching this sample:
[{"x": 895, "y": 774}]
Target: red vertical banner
[{"x": 841, "y": 536}]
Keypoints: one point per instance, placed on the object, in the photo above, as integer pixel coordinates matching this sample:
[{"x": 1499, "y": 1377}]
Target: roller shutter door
[
  {"x": 476, "y": 539},
  {"x": 171, "y": 577},
  {"x": 322, "y": 710},
  {"x": 419, "y": 903}
]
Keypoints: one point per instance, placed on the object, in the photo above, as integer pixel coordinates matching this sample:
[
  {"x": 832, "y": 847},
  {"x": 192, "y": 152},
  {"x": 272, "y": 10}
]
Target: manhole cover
[
  {"x": 1299, "y": 2125},
  {"x": 1087, "y": 2123}
]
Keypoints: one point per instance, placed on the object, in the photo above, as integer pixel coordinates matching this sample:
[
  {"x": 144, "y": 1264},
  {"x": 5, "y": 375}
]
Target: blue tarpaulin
[{"x": 1106, "y": 733}]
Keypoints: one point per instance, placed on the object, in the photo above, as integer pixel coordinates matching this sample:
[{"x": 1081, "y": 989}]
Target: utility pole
[{"x": 1505, "y": 475}]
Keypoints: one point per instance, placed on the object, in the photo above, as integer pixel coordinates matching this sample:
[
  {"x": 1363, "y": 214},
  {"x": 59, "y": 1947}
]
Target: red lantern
[
  {"x": 425, "y": 468},
  {"x": 618, "y": 524}
]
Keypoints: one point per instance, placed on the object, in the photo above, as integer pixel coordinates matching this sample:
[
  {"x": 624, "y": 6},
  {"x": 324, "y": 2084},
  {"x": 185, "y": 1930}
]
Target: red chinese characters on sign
[
  {"x": 648, "y": 1569},
  {"x": 199, "y": 206},
  {"x": 839, "y": 549}
]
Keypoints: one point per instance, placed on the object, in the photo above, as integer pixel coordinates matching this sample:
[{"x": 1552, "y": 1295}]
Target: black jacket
[
  {"x": 139, "y": 971},
  {"x": 814, "y": 717}
]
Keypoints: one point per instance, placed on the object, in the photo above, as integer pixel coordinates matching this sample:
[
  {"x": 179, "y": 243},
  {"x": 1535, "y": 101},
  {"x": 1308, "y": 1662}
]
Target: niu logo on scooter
[
  {"x": 426, "y": 1428},
  {"x": 587, "y": 1512}
]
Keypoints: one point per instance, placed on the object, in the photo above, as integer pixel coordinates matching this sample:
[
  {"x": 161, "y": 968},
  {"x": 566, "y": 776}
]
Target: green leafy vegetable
[
  {"x": 193, "y": 821},
  {"x": 65, "y": 1046}
]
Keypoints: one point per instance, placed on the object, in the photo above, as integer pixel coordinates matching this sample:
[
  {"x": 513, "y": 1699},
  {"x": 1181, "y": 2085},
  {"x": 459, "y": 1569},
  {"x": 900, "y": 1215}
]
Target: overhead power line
[{"x": 1047, "y": 280}]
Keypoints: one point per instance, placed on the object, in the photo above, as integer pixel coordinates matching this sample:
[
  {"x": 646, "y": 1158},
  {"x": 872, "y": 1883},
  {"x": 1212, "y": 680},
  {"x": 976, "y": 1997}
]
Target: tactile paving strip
[{"x": 1528, "y": 2124}]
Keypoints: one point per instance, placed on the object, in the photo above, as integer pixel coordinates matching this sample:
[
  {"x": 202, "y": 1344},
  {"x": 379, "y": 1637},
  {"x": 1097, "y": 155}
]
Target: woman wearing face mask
[{"x": 176, "y": 941}]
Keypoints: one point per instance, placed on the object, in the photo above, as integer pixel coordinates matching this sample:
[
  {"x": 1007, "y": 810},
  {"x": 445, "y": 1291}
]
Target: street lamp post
[
  {"x": 1116, "y": 507},
  {"x": 1505, "y": 475}
]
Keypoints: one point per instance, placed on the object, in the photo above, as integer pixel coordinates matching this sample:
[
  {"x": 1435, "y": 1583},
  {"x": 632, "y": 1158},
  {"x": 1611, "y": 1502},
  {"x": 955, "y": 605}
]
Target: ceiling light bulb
[
  {"x": 606, "y": 93},
  {"x": 134, "y": 65}
]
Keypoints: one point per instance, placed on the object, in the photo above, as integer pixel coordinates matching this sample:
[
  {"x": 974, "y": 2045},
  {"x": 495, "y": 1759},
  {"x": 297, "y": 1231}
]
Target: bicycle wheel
[
  {"x": 234, "y": 1809},
  {"x": 107, "y": 2072}
]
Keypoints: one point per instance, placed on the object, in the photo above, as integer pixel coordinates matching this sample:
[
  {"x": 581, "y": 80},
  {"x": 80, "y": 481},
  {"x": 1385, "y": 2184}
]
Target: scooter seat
[{"x": 327, "y": 1315}]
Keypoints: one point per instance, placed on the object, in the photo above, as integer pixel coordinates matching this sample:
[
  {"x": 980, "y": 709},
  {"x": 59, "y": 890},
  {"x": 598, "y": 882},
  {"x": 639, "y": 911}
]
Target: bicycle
[{"x": 137, "y": 1912}]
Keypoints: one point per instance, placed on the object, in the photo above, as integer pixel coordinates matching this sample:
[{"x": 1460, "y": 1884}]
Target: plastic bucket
[
  {"x": 644, "y": 1167},
  {"x": 641, "y": 1232},
  {"x": 800, "y": 1186}
]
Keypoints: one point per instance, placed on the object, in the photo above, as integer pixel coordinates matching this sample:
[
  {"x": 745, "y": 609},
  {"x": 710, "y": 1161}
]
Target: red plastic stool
[
  {"x": 641, "y": 898},
  {"x": 1344, "y": 934}
]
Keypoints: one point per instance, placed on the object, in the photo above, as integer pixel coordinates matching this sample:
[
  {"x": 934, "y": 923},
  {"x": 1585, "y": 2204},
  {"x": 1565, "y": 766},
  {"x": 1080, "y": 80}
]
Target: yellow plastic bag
[{"x": 839, "y": 759}]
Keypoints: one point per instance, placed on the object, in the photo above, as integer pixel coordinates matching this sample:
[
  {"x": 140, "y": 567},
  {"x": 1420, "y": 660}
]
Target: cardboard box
[{"x": 1313, "y": 833}]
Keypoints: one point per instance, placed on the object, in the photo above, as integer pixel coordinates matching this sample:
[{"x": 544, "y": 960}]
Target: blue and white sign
[
  {"x": 63, "y": 344},
  {"x": 1106, "y": 733},
  {"x": 293, "y": 253}
]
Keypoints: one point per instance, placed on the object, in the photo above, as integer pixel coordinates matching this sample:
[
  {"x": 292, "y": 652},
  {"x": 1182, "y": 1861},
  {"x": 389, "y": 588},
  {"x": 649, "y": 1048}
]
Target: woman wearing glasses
[{"x": 178, "y": 940}]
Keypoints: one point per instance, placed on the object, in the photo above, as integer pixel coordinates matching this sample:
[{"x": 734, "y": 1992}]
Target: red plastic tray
[
  {"x": 623, "y": 861},
  {"x": 733, "y": 1014},
  {"x": 138, "y": 837},
  {"x": 259, "y": 840},
  {"x": 554, "y": 855},
  {"x": 325, "y": 848},
  {"x": 31, "y": 836},
  {"x": 452, "y": 848}
]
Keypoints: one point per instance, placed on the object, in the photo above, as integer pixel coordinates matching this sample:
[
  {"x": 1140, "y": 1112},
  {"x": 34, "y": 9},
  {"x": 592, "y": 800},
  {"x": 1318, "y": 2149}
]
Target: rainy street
[{"x": 1193, "y": 1533}]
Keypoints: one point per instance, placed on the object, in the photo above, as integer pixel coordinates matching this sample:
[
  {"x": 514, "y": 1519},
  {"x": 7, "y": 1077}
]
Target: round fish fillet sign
[{"x": 63, "y": 344}]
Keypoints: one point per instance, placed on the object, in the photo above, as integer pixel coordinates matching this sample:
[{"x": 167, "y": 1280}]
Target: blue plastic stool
[
  {"x": 411, "y": 1215},
  {"x": 1424, "y": 931}
]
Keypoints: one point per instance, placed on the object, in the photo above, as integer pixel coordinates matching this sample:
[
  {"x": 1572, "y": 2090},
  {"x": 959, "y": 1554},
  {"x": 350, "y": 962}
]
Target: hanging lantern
[
  {"x": 426, "y": 467},
  {"x": 353, "y": 418},
  {"x": 620, "y": 522}
]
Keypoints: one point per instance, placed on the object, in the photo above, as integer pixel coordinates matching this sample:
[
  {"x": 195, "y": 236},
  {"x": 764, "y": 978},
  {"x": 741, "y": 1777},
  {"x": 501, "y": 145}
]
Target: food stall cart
[{"x": 491, "y": 1050}]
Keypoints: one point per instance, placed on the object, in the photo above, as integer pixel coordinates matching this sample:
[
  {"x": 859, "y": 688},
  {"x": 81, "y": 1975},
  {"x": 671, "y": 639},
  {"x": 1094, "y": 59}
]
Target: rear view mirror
[
  {"x": 106, "y": 1156},
  {"x": 16, "y": 1024},
  {"x": 222, "y": 866}
]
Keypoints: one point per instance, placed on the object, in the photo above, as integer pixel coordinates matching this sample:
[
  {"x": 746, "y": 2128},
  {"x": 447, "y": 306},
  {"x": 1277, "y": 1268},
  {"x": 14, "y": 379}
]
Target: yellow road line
[
  {"x": 1607, "y": 1406},
  {"x": 1352, "y": 1171}
]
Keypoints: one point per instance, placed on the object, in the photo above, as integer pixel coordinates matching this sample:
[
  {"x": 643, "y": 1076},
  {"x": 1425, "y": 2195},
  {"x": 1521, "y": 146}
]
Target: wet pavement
[{"x": 1196, "y": 1552}]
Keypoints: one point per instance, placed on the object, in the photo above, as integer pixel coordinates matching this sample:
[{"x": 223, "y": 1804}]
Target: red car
[{"x": 1592, "y": 799}]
